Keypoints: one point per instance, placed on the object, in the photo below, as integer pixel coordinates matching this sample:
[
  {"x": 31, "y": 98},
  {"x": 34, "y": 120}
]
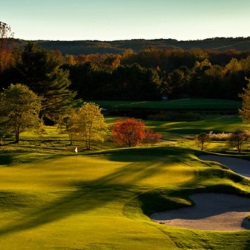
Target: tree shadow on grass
[
  {"x": 6, "y": 159},
  {"x": 89, "y": 196},
  {"x": 143, "y": 154},
  {"x": 86, "y": 198}
]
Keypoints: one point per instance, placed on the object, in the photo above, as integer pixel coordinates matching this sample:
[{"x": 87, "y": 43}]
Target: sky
[{"x": 109, "y": 20}]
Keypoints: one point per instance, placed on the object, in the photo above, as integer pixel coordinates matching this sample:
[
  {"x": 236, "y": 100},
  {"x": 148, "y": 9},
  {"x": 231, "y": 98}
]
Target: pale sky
[{"x": 126, "y": 19}]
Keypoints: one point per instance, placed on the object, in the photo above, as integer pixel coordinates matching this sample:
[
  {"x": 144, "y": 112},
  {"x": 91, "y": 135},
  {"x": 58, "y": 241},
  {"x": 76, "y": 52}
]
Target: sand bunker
[
  {"x": 222, "y": 212},
  {"x": 212, "y": 211}
]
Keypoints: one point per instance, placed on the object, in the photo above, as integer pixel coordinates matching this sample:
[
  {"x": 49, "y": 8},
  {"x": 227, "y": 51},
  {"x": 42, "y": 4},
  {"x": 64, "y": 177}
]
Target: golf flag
[{"x": 76, "y": 150}]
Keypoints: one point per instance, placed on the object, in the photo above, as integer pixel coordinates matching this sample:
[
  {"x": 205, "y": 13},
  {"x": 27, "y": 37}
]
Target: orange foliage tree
[
  {"x": 151, "y": 137},
  {"x": 6, "y": 46},
  {"x": 131, "y": 132}
]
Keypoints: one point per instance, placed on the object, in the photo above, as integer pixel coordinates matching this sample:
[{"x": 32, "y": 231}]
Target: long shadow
[
  {"x": 142, "y": 154},
  {"x": 89, "y": 195},
  {"x": 6, "y": 159},
  {"x": 11, "y": 159}
]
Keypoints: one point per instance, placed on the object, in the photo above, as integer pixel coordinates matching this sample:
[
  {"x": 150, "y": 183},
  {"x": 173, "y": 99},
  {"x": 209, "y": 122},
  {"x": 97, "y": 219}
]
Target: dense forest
[{"x": 137, "y": 70}]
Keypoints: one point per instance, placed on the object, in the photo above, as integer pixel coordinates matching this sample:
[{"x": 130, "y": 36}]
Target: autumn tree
[
  {"x": 238, "y": 139},
  {"x": 87, "y": 123},
  {"x": 5, "y": 34},
  {"x": 20, "y": 109},
  {"x": 6, "y": 46},
  {"x": 129, "y": 132},
  {"x": 150, "y": 137},
  {"x": 132, "y": 132},
  {"x": 70, "y": 59}
]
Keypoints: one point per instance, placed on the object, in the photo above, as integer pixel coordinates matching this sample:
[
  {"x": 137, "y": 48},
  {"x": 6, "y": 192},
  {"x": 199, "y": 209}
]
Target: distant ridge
[{"x": 119, "y": 46}]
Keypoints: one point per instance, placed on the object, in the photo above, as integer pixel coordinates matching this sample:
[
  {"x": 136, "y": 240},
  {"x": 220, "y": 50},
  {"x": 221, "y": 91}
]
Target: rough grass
[{"x": 60, "y": 200}]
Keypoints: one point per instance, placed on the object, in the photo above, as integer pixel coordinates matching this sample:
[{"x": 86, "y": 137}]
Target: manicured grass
[
  {"x": 184, "y": 133},
  {"x": 183, "y": 104},
  {"x": 52, "y": 198},
  {"x": 99, "y": 200},
  {"x": 217, "y": 125}
]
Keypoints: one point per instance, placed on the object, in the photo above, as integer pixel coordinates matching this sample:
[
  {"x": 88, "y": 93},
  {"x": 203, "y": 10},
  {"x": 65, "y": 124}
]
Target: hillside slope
[{"x": 118, "y": 47}]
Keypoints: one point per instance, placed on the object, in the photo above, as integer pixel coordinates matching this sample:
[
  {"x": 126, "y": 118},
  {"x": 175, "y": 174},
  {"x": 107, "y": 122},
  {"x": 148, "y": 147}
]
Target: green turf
[
  {"x": 100, "y": 200},
  {"x": 216, "y": 125},
  {"x": 52, "y": 198},
  {"x": 183, "y": 104}
]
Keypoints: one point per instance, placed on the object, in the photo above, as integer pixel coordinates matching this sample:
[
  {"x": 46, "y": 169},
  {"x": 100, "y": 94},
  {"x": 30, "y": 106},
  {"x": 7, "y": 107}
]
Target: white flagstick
[{"x": 76, "y": 151}]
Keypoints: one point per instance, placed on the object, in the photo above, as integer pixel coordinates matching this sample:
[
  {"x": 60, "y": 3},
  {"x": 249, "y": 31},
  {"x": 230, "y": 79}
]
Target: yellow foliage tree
[{"x": 87, "y": 123}]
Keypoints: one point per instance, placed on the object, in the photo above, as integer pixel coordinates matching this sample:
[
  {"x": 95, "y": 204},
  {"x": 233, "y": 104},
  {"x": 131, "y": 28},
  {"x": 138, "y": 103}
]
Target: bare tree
[
  {"x": 202, "y": 139},
  {"x": 5, "y": 35},
  {"x": 238, "y": 139}
]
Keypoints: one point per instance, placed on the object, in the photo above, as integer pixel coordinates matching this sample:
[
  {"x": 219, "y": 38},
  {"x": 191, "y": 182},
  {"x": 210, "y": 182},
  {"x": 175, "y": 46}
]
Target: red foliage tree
[
  {"x": 129, "y": 132},
  {"x": 151, "y": 137}
]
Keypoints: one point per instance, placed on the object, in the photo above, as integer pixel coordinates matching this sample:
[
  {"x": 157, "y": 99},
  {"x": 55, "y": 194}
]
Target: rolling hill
[{"x": 119, "y": 46}]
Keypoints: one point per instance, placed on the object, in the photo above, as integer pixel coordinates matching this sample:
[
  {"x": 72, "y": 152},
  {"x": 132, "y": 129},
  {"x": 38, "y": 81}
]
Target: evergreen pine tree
[{"x": 40, "y": 71}]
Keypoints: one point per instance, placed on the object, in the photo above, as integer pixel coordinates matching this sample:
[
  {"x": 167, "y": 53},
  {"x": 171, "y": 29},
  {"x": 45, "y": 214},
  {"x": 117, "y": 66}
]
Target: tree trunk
[
  {"x": 239, "y": 148},
  {"x": 70, "y": 139},
  {"x": 88, "y": 144},
  {"x": 17, "y": 137}
]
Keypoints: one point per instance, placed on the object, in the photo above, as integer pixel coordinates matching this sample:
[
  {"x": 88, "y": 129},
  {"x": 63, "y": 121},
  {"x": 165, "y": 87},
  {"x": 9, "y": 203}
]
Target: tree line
[
  {"x": 146, "y": 75},
  {"x": 20, "y": 108},
  {"x": 38, "y": 84},
  {"x": 154, "y": 73}
]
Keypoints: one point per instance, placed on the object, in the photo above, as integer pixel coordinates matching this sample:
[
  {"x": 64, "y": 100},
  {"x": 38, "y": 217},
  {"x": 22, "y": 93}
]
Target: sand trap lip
[
  {"x": 239, "y": 166},
  {"x": 212, "y": 211}
]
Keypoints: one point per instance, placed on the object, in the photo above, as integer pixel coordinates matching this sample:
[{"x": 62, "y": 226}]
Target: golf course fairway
[{"x": 103, "y": 200}]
